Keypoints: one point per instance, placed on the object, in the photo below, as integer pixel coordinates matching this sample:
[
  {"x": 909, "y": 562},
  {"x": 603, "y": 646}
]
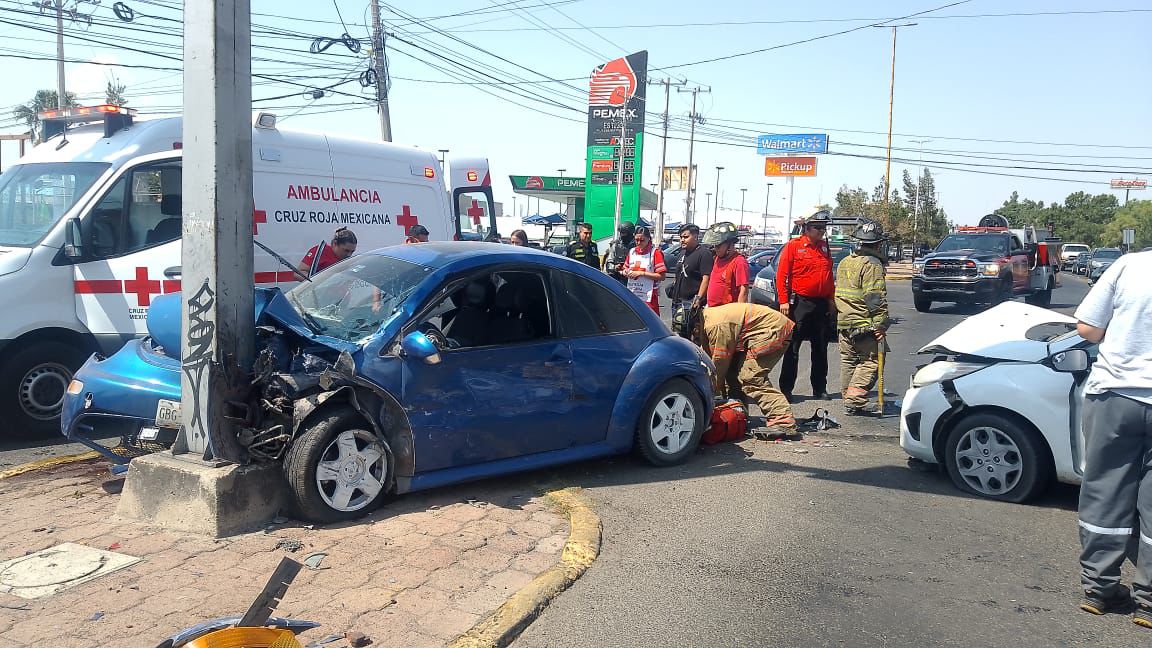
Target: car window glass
[
  {"x": 140, "y": 211},
  {"x": 505, "y": 307},
  {"x": 590, "y": 309}
]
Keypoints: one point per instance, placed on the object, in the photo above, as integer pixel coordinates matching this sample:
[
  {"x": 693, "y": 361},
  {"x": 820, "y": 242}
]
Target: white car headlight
[
  {"x": 763, "y": 283},
  {"x": 944, "y": 370},
  {"x": 990, "y": 269},
  {"x": 918, "y": 268}
]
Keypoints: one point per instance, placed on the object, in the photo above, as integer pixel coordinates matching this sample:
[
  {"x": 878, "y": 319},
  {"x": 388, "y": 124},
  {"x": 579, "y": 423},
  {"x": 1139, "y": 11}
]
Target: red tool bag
[{"x": 729, "y": 423}]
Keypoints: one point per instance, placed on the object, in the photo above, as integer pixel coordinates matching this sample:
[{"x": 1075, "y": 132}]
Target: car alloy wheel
[
  {"x": 42, "y": 390},
  {"x": 672, "y": 423},
  {"x": 988, "y": 461},
  {"x": 352, "y": 471}
]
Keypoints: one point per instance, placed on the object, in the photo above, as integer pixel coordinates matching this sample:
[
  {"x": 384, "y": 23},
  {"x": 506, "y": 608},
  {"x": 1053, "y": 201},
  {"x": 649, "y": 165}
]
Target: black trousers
[{"x": 812, "y": 319}]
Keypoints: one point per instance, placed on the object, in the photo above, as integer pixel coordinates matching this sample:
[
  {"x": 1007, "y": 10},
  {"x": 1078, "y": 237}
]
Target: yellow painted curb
[
  {"x": 505, "y": 624},
  {"x": 50, "y": 462}
]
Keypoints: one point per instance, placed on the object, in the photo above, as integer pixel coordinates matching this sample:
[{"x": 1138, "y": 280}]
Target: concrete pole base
[{"x": 186, "y": 494}]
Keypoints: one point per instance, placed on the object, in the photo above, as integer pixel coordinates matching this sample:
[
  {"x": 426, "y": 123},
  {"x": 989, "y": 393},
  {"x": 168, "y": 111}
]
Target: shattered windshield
[
  {"x": 34, "y": 196},
  {"x": 350, "y": 300}
]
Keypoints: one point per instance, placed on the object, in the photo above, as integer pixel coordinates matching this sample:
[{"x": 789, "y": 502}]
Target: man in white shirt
[{"x": 1116, "y": 496}]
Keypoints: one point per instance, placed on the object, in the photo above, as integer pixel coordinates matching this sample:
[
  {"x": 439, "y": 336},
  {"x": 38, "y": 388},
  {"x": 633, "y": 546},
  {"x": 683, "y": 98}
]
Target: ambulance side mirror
[{"x": 73, "y": 239}]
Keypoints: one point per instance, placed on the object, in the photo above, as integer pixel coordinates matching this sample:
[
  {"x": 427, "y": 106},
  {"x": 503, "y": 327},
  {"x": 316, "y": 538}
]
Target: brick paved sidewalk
[{"x": 417, "y": 572}]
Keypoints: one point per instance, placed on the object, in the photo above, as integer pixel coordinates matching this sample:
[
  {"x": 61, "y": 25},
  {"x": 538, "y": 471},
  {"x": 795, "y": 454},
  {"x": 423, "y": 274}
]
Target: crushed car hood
[
  {"x": 164, "y": 320},
  {"x": 999, "y": 333}
]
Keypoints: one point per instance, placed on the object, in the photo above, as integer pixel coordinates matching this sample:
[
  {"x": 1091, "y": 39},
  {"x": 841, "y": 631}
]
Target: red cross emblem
[
  {"x": 407, "y": 219},
  {"x": 143, "y": 287},
  {"x": 259, "y": 216},
  {"x": 475, "y": 211}
]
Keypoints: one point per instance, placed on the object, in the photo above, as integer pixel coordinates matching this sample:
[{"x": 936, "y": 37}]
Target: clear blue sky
[{"x": 1076, "y": 80}]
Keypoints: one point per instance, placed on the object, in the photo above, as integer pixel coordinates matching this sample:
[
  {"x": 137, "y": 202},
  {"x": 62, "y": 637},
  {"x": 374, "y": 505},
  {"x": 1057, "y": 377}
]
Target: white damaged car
[{"x": 999, "y": 405}]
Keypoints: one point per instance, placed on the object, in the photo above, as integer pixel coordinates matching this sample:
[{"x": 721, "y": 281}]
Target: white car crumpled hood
[{"x": 999, "y": 333}]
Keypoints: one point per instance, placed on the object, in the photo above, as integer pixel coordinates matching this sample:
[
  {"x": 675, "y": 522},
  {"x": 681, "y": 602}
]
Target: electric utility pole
[
  {"x": 381, "y": 70},
  {"x": 218, "y": 333},
  {"x": 693, "y": 118},
  {"x": 891, "y": 103},
  {"x": 72, "y": 9},
  {"x": 667, "y": 83}
]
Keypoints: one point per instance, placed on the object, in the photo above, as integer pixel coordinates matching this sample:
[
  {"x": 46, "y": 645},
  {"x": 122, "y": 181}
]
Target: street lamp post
[
  {"x": 716, "y": 209},
  {"x": 743, "y": 192},
  {"x": 766, "y": 195},
  {"x": 707, "y": 206},
  {"x": 916, "y": 202}
]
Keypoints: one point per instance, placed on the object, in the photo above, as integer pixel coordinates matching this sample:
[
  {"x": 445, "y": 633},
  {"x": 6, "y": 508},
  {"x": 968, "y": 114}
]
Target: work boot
[
  {"x": 773, "y": 432},
  {"x": 863, "y": 410},
  {"x": 1119, "y": 599},
  {"x": 821, "y": 395},
  {"x": 1142, "y": 616}
]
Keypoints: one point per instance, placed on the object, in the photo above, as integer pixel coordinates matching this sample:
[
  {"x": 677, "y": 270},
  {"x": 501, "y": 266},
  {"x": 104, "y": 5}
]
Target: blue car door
[
  {"x": 606, "y": 337},
  {"x": 507, "y": 391}
]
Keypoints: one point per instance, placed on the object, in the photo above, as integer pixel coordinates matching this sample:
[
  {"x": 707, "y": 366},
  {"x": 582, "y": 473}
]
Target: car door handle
[{"x": 173, "y": 273}]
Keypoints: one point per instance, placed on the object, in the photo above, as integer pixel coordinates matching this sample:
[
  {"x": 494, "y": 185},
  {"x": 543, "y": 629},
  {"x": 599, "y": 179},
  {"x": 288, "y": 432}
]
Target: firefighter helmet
[
  {"x": 721, "y": 232},
  {"x": 869, "y": 232},
  {"x": 820, "y": 217}
]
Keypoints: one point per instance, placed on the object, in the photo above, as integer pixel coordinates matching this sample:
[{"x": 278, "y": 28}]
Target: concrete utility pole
[
  {"x": 61, "y": 95},
  {"x": 381, "y": 70},
  {"x": 667, "y": 83},
  {"x": 218, "y": 333},
  {"x": 716, "y": 208},
  {"x": 692, "y": 117}
]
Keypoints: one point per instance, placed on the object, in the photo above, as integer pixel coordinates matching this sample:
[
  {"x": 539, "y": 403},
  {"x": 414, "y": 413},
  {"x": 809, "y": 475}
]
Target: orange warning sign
[{"x": 789, "y": 166}]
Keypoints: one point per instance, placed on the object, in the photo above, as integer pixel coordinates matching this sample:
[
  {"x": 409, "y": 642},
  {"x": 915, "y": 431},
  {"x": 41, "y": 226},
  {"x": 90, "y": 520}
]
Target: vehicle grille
[{"x": 950, "y": 268}]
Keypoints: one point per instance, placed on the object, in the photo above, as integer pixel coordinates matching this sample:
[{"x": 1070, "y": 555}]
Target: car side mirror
[
  {"x": 1070, "y": 361},
  {"x": 421, "y": 347},
  {"x": 73, "y": 239}
]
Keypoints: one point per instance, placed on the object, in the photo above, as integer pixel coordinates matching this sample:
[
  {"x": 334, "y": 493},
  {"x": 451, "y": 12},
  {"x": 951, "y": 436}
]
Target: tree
[
  {"x": 1137, "y": 215},
  {"x": 29, "y": 113},
  {"x": 114, "y": 93}
]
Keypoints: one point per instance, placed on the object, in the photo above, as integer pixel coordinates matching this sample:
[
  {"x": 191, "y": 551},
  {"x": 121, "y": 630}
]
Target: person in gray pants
[{"x": 1116, "y": 496}]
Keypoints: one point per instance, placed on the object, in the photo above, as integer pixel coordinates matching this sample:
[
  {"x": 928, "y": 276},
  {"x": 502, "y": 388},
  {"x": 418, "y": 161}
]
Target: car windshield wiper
[
  {"x": 282, "y": 260},
  {"x": 311, "y": 321}
]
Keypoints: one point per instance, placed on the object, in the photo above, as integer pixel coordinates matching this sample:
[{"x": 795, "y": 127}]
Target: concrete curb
[
  {"x": 583, "y": 546},
  {"x": 50, "y": 462}
]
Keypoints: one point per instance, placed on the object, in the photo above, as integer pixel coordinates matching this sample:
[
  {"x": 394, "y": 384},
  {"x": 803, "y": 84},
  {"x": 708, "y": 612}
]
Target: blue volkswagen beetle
[{"x": 416, "y": 366}]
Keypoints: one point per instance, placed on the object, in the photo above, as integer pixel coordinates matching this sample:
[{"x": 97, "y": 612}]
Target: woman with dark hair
[
  {"x": 645, "y": 269},
  {"x": 518, "y": 237},
  {"x": 325, "y": 254}
]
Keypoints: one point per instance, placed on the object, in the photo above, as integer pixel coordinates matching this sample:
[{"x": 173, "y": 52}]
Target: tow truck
[{"x": 987, "y": 264}]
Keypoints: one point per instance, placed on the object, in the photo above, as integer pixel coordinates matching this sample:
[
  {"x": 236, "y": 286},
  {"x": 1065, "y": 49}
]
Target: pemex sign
[{"x": 616, "y": 102}]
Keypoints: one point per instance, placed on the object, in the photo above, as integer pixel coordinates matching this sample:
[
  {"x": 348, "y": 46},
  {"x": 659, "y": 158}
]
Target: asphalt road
[{"x": 803, "y": 545}]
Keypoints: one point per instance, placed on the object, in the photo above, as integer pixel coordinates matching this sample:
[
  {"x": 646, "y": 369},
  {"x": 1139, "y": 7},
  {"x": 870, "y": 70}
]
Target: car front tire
[
  {"x": 671, "y": 424},
  {"x": 337, "y": 469},
  {"x": 994, "y": 456},
  {"x": 922, "y": 305},
  {"x": 34, "y": 380}
]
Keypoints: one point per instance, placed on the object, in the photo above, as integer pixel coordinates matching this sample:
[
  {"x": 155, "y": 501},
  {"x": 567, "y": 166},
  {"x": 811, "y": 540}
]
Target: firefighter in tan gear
[
  {"x": 862, "y": 317},
  {"x": 751, "y": 338}
]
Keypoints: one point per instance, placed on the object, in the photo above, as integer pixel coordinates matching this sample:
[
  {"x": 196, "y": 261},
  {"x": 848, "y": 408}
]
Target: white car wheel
[
  {"x": 996, "y": 457},
  {"x": 671, "y": 424}
]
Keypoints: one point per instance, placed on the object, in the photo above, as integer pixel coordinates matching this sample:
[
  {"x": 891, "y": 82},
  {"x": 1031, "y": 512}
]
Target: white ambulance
[{"x": 90, "y": 225}]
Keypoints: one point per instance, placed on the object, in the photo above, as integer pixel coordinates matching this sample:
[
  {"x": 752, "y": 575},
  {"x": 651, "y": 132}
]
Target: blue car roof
[{"x": 442, "y": 254}]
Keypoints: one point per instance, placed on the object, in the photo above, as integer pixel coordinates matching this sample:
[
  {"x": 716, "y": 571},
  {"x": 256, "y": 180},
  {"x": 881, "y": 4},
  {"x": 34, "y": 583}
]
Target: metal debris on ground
[
  {"x": 312, "y": 561},
  {"x": 289, "y": 544},
  {"x": 96, "y": 616}
]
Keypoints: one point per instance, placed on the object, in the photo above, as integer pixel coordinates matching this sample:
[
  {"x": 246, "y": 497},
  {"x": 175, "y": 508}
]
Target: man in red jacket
[{"x": 806, "y": 291}]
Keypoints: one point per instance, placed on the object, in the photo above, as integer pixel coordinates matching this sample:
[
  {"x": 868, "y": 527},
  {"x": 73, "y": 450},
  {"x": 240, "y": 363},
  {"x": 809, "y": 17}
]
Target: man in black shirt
[
  {"x": 583, "y": 249},
  {"x": 691, "y": 285},
  {"x": 618, "y": 249}
]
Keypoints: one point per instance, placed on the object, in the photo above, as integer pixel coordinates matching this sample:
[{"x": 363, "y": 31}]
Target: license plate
[
  {"x": 149, "y": 433},
  {"x": 168, "y": 414}
]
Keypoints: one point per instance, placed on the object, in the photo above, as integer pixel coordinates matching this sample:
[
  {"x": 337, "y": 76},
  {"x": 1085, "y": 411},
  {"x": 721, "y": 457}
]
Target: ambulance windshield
[
  {"x": 350, "y": 300},
  {"x": 34, "y": 196}
]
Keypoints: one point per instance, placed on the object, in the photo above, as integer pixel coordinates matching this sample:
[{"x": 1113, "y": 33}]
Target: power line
[{"x": 803, "y": 41}]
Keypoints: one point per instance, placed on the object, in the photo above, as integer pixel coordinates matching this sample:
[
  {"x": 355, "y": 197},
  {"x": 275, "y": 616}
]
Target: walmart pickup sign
[{"x": 777, "y": 144}]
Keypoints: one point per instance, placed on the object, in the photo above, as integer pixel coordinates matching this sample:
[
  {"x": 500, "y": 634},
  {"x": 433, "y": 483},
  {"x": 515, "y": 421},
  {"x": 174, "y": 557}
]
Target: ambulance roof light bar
[{"x": 115, "y": 117}]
